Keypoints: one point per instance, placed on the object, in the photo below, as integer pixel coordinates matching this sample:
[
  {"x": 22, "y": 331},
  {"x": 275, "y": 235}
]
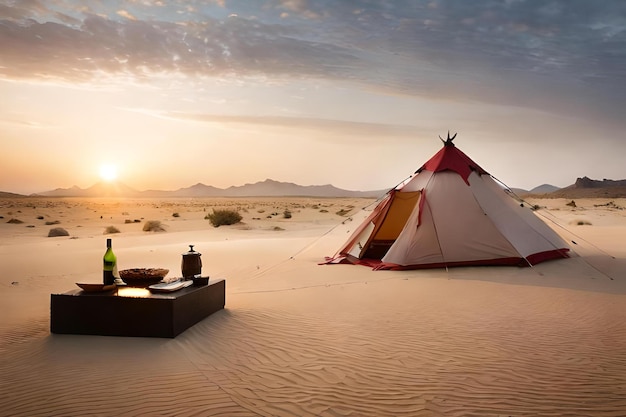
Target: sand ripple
[{"x": 429, "y": 353}]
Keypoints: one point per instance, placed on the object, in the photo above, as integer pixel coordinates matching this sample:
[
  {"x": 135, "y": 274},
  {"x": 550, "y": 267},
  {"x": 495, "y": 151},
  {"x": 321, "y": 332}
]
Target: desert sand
[{"x": 297, "y": 338}]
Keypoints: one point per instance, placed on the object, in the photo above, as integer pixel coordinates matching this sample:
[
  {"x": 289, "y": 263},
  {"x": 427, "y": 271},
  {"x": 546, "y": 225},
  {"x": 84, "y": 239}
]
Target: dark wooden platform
[{"x": 135, "y": 312}]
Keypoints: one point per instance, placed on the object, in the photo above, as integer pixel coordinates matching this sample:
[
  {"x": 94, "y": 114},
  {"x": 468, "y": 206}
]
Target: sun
[{"x": 108, "y": 172}]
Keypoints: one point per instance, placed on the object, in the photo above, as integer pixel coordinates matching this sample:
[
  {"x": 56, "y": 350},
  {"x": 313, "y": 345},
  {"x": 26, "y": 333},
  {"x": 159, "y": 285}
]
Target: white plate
[{"x": 95, "y": 287}]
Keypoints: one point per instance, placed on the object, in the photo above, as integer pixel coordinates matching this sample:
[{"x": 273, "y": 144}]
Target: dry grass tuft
[
  {"x": 153, "y": 226},
  {"x": 110, "y": 230}
]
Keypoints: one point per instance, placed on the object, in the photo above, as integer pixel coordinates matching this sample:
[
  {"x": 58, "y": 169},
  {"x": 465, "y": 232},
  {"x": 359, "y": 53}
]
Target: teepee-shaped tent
[{"x": 451, "y": 212}]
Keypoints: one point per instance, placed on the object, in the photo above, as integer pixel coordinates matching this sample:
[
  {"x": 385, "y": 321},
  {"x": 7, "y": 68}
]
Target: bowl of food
[{"x": 143, "y": 277}]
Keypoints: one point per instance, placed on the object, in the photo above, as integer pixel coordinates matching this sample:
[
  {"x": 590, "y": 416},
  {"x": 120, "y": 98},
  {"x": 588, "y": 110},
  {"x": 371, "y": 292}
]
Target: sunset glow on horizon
[{"x": 353, "y": 94}]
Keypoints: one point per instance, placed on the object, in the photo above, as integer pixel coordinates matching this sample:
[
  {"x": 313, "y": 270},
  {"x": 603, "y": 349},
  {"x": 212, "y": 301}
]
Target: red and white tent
[{"x": 451, "y": 212}]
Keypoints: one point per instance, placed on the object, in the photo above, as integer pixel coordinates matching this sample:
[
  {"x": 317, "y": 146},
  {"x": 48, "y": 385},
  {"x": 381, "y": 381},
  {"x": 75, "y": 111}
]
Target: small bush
[
  {"x": 287, "y": 214},
  {"x": 153, "y": 226},
  {"x": 580, "y": 222},
  {"x": 111, "y": 229},
  {"x": 15, "y": 221},
  {"x": 50, "y": 223},
  {"x": 58, "y": 231},
  {"x": 343, "y": 212},
  {"x": 176, "y": 215},
  {"x": 223, "y": 217}
]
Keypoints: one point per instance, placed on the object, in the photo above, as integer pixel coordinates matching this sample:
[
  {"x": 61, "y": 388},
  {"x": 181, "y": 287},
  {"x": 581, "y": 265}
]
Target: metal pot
[{"x": 191, "y": 264}]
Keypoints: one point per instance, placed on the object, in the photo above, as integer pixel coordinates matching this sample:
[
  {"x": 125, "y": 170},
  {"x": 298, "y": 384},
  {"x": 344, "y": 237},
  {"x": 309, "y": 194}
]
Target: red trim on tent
[
  {"x": 533, "y": 259},
  {"x": 452, "y": 159},
  {"x": 536, "y": 258}
]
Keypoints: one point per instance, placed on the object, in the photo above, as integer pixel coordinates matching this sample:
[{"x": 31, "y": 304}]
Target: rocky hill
[
  {"x": 587, "y": 188},
  {"x": 4, "y": 194}
]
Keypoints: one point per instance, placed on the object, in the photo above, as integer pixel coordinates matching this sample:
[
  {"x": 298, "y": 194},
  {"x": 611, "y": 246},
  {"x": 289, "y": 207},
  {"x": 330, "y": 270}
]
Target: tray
[{"x": 169, "y": 286}]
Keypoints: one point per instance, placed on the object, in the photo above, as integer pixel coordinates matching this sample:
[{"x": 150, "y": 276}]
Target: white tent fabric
[{"x": 458, "y": 215}]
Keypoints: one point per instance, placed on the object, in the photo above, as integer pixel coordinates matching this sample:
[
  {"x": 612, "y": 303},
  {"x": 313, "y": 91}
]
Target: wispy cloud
[
  {"x": 363, "y": 131},
  {"x": 535, "y": 54}
]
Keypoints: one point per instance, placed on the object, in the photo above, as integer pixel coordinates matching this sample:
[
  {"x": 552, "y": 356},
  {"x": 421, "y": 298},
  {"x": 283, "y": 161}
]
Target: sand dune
[{"x": 302, "y": 339}]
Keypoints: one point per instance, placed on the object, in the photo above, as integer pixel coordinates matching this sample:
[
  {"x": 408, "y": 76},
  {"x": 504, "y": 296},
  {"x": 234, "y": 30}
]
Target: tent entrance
[{"x": 387, "y": 231}]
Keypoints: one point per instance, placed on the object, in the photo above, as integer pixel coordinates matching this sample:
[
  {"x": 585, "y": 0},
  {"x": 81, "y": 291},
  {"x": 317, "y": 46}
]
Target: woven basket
[{"x": 143, "y": 277}]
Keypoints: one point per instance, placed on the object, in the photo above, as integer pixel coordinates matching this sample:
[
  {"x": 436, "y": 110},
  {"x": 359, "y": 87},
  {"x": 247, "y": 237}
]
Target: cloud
[
  {"x": 547, "y": 55},
  {"x": 361, "y": 131},
  {"x": 126, "y": 14},
  {"x": 134, "y": 47}
]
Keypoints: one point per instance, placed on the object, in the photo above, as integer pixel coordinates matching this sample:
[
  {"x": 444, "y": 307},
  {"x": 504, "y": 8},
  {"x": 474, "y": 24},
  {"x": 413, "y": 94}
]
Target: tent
[{"x": 450, "y": 212}]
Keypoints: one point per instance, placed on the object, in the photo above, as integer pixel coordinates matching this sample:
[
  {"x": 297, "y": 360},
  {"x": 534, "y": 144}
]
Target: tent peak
[{"x": 448, "y": 142}]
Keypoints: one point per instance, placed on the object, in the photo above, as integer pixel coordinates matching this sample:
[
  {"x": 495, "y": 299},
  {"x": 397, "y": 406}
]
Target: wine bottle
[{"x": 109, "y": 265}]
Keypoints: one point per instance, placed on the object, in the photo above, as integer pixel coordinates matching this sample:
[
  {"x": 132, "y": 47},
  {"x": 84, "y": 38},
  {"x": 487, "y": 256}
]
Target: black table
[{"x": 128, "y": 311}]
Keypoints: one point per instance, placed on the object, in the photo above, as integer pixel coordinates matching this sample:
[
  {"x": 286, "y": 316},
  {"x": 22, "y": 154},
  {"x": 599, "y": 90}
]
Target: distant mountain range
[
  {"x": 267, "y": 188},
  {"x": 583, "y": 188}
]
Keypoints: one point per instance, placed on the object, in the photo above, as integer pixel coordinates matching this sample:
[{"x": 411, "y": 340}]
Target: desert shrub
[
  {"x": 50, "y": 223},
  {"x": 111, "y": 229},
  {"x": 323, "y": 211},
  {"x": 343, "y": 212},
  {"x": 223, "y": 217},
  {"x": 580, "y": 222},
  {"x": 58, "y": 231},
  {"x": 39, "y": 217},
  {"x": 15, "y": 221},
  {"x": 153, "y": 226},
  {"x": 277, "y": 228},
  {"x": 176, "y": 215},
  {"x": 287, "y": 214}
]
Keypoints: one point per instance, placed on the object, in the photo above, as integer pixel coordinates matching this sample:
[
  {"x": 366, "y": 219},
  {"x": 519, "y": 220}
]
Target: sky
[{"x": 167, "y": 94}]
